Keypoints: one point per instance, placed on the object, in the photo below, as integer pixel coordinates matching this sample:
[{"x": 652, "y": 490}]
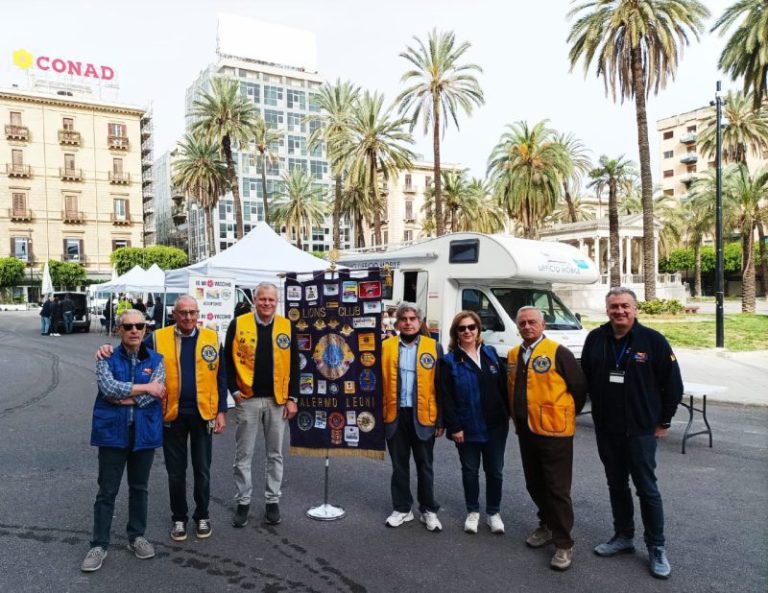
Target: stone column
[
  {"x": 598, "y": 259},
  {"x": 628, "y": 254}
]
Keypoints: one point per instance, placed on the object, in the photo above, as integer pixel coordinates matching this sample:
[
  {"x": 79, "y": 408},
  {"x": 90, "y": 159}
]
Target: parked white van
[{"x": 493, "y": 275}]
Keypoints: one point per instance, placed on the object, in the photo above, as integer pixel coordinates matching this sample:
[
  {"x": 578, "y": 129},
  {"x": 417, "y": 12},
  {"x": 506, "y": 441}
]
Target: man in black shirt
[{"x": 635, "y": 386}]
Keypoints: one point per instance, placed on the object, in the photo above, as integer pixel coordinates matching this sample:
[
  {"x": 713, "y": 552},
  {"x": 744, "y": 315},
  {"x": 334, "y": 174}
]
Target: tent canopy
[
  {"x": 258, "y": 257},
  {"x": 137, "y": 279}
]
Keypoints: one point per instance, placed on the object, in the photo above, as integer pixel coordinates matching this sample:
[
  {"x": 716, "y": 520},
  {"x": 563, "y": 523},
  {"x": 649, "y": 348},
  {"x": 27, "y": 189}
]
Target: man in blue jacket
[
  {"x": 635, "y": 386},
  {"x": 127, "y": 427}
]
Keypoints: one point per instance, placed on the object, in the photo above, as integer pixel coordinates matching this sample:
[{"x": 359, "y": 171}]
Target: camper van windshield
[{"x": 556, "y": 314}]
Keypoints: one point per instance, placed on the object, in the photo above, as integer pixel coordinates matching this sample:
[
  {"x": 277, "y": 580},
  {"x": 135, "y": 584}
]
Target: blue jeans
[
  {"x": 195, "y": 429},
  {"x": 635, "y": 456},
  {"x": 112, "y": 463},
  {"x": 45, "y": 325},
  {"x": 69, "y": 318},
  {"x": 492, "y": 454}
]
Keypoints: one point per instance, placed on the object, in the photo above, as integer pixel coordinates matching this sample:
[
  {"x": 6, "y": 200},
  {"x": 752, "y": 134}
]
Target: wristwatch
[
  {"x": 295, "y": 400},
  {"x": 665, "y": 424}
]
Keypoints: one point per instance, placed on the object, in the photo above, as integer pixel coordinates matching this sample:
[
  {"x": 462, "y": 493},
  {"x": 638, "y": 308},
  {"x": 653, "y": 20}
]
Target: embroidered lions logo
[
  {"x": 283, "y": 341},
  {"x": 209, "y": 353},
  {"x": 427, "y": 361},
  {"x": 541, "y": 364}
]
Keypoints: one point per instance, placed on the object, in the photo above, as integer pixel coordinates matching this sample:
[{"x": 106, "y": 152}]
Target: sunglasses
[
  {"x": 130, "y": 326},
  {"x": 466, "y": 328}
]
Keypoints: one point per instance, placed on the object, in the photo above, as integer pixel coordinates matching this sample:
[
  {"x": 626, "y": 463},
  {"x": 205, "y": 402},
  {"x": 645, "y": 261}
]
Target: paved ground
[{"x": 716, "y": 505}]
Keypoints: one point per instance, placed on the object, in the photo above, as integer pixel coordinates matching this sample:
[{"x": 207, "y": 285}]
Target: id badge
[{"x": 616, "y": 377}]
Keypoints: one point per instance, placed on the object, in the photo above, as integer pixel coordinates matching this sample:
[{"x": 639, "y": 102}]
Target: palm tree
[
  {"x": 582, "y": 164},
  {"x": 577, "y": 211},
  {"x": 376, "y": 149},
  {"x": 456, "y": 194},
  {"x": 355, "y": 205},
  {"x": 439, "y": 86},
  {"x": 635, "y": 45},
  {"x": 746, "y": 130},
  {"x": 479, "y": 211},
  {"x": 609, "y": 173},
  {"x": 746, "y": 52},
  {"x": 331, "y": 126},
  {"x": 200, "y": 172},
  {"x": 266, "y": 140},
  {"x": 525, "y": 170},
  {"x": 225, "y": 117},
  {"x": 698, "y": 213},
  {"x": 300, "y": 205}
]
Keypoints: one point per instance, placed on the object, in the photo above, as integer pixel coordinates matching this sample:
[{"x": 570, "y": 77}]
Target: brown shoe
[
  {"x": 540, "y": 537},
  {"x": 562, "y": 559}
]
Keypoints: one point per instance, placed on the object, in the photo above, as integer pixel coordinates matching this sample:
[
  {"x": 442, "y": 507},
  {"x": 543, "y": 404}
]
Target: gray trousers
[{"x": 249, "y": 415}]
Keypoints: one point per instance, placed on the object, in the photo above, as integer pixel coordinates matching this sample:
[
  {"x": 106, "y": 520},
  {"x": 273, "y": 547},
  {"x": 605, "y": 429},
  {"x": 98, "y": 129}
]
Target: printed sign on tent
[{"x": 216, "y": 301}]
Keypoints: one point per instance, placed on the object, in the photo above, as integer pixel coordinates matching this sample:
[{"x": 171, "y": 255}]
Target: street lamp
[{"x": 719, "y": 273}]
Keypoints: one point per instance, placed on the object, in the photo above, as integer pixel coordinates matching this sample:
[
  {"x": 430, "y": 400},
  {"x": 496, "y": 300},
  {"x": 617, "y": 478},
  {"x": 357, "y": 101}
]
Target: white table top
[{"x": 699, "y": 389}]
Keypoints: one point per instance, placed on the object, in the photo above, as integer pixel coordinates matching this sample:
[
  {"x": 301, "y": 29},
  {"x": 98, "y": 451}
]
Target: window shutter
[
  {"x": 30, "y": 255},
  {"x": 64, "y": 248},
  {"x": 82, "y": 252},
  {"x": 13, "y": 246},
  {"x": 114, "y": 243},
  {"x": 127, "y": 209},
  {"x": 123, "y": 130}
]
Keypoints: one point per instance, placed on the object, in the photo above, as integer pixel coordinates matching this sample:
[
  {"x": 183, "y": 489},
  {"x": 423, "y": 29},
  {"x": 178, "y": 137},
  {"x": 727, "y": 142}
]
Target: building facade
[{"x": 71, "y": 184}]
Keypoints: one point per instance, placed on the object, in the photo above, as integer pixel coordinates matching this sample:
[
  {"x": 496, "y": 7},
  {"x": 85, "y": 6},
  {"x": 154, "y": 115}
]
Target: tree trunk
[
  {"x": 376, "y": 205},
  {"x": 234, "y": 186},
  {"x": 646, "y": 180},
  {"x": 359, "y": 236},
  {"x": 337, "y": 215},
  {"x": 569, "y": 202},
  {"x": 264, "y": 195},
  {"x": 440, "y": 228},
  {"x": 763, "y": 259},
  {"x": 697, "y": 269},
  {"x": 211, "y": 235},
  {"x": 613, "y": 235},
  {"x": 747, "y": 270}
]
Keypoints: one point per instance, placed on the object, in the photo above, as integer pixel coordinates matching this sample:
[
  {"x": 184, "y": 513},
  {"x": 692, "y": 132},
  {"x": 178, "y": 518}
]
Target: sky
[{"x": 157, "y": 48}]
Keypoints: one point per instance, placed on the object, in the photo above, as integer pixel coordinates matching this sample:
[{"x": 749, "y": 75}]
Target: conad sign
[{"x": 25, "y": 60}]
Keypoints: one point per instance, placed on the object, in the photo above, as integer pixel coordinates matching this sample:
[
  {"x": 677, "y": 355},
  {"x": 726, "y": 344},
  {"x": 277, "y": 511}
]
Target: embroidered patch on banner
[
  {"x": 541, "y": 364},
  {"x": 306, "y": 383},
  {"x": 209, "y": 353},
  {"x": 367, "y": 380},
  {"x": 330, "y": 289},
  {"x": 336, "y": 420},
  {"x": 366, "y": 342},
  {"x": 427, "y": 361},
  {"x": 321, "y": 417},
  {"x": 293, "y": 293},
  {"x": 370, "y": 289},
  {"x": 332, "y": 356},
  {"x": 283, "y": 341},
  {"x": 304, "y": 420},
  {"x": 366, "y": 421},
  {"x": 294, "y": 314},
  {"x": 310, "y": 293},
  {"x": 367, "y": 359},
  {"x": 352, "y": 435}
]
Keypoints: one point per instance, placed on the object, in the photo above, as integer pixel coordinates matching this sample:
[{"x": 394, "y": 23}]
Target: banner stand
[{"x": 325, "y": 511}]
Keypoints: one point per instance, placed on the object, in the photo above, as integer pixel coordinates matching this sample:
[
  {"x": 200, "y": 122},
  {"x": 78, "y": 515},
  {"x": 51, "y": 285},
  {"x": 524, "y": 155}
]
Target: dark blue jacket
[
  {"x": 109, "y": 427},
  {"x": 472, "y": 400}
]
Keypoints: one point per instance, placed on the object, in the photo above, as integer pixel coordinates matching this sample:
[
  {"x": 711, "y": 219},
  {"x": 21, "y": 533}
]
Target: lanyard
[{"x": 619, "y": 356}]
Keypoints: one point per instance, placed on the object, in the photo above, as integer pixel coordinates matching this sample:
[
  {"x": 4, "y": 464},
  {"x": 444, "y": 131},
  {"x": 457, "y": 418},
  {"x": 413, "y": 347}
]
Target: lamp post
[{"x": 719, "y": 273}]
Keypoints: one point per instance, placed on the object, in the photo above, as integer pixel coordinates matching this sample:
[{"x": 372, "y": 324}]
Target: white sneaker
[
  {"x": 431, "y": 521},
  {"x": 470, "y": 525},
  {"x": 396, "y": 519},
  {"x": 495, "y": 523}
]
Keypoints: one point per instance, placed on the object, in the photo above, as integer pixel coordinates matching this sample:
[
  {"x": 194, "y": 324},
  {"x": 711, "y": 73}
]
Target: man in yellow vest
[
  {"x": 195, "y": 407},
  {"x": 262, "y": 373},
  {"x": 547, "y": 388},
  {"x": 411, "y": 416}
]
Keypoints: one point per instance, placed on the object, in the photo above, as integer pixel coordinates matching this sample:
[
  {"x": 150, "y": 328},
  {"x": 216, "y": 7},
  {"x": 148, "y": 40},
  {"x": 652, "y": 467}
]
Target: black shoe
[
  {"x": 241, "y": 516},
  {"x": 272, "y": 513}
]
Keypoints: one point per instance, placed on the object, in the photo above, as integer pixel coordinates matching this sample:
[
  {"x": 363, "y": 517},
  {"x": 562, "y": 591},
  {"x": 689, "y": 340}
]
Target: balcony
[
  {"x": 69, "y": 137},
  {"x": 18, "y": 170},
  {"x": 70, "y": 174},
  {"x": 687, "y": 178},
  {"x": 14, "y": 132},
  {"x": 20, "y": 215},
  {"x": 147, "y": 194},
  {"x": 177, "y": 196},
  {"x": 149, "y": 208},
  {"x": 689, "y": 158},
  {"x": 409, "y": 189},
  {"x": 179, "y": 214},
  {"x": 146, "y": 161},
  {"x": 120, "y": 219},
  {"x": 119, "y": 178},
  {"x": 72, "y": 217},
  {"x": 74, "y": 258},
  {"x": 117, "y": 142},
  {"x": 688, "y": 138}
]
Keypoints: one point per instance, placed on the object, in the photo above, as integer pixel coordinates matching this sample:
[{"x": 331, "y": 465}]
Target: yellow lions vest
[
  {"x": 426, "y": 364},
  {"x": 551, "y": 409},
  {"x": 244, "y": 355},
  {"x": 207, "y": 362}
]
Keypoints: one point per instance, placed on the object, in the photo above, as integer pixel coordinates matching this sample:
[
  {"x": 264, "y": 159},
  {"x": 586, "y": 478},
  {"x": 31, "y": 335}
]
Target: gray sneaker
[
  {"x": 539, "y": 537},
  {"x": 93, "y": 559},
  {"x": 658, "y": 563},
  {"x": 616, "y": 545},
  {"x": 142, "y": 548}
]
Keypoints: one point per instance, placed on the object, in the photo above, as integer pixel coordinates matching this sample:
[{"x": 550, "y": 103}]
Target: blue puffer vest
[
  {"x": 469, "y": 407},
  {"x": 109, "y": 427}
]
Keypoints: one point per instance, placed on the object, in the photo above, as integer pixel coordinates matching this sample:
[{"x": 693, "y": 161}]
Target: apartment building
[{"x": 70, "y": 178}]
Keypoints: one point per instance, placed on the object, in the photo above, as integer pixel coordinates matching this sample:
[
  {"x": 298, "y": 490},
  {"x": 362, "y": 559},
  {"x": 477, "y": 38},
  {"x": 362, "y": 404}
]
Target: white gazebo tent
[{"x": 137, "y": 279}]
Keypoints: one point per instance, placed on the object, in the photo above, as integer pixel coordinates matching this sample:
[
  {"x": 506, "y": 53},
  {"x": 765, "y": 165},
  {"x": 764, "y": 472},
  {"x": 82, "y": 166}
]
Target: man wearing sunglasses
[
  {"x": 547, "y": 389},
  {"x": 195, "y": 407},
  {"x": 411, "y": 418},
  {"x": 127, "y": 427}
]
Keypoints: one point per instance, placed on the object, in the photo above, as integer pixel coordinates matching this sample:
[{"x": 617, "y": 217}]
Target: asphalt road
[{"x": 716, "y": 502}]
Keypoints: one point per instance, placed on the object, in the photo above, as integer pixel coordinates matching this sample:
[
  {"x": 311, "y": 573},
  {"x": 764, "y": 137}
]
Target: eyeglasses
[
  {"x": 131, "y": 326},
  {"x": 466, "y": 328},
  {"x": 188, "y": 312}
]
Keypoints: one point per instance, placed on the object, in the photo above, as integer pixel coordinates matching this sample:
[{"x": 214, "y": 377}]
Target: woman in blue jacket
[
  {"x": 473, "y": 399},
  {"x": 127, "y": 427}
]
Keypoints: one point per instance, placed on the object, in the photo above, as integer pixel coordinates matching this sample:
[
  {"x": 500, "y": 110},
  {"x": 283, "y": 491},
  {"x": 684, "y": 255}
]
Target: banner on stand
[
  {"x": 216, "y": 301},
  {"x": 337, "y": 320}
]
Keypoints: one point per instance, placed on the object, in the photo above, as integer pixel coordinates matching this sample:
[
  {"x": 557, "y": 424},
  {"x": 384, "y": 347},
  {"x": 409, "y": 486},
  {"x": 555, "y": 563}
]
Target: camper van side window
[
  {"x": 466, "y": 251},
  {"x": 477, "y": 301}
]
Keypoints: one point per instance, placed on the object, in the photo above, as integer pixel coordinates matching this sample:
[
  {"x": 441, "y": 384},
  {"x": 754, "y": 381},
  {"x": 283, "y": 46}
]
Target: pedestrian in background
[
  {"x": 68, "y": 313},
  {"x": 56, "y": 317},
  {"x": 45, "y": 316}
]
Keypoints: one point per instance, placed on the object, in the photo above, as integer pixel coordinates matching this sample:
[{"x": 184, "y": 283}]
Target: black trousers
[
  {"x": 192, "y": 428},
  {"x": 404, "y": 442},
  {"x": 548, "y": 469}
]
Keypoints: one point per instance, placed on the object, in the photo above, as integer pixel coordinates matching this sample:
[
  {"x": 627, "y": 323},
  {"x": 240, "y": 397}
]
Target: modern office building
[
  {"x": 170, "y": 206},
  {"x": 71, "y": 176},
  {"x": 680, "y": 155},
  {"x": 277, "y": 72}
]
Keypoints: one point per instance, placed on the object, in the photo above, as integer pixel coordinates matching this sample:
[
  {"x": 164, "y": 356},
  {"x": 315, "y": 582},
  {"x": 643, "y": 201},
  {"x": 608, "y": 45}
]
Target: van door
[{"x": 498, "y": 330}]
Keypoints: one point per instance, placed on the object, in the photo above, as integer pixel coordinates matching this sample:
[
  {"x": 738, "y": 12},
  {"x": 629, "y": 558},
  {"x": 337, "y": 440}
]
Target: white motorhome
[{"x": 493, "y": 275}]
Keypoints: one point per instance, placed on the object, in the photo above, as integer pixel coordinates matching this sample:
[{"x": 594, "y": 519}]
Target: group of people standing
[
  {"x": 169, "y": 389},
  {"x": 57, "y": 315}
]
